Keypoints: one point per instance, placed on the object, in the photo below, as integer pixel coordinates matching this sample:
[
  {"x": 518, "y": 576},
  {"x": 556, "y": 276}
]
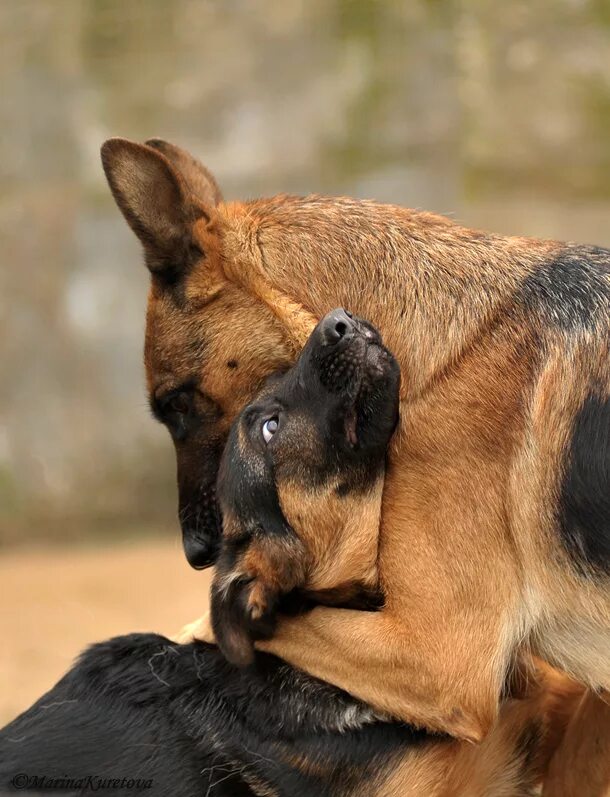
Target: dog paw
[
  {"x": 260, "y": 605},
  {"x": 257, "y": 602},
  {"x": 200, "y": 629}
]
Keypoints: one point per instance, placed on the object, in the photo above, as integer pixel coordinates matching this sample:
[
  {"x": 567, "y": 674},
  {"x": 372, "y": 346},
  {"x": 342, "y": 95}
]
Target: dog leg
[
  {"x": 325, "y": 648},
  {"x": 199, "y": 630},
  {"x": 380, "y": 660}
]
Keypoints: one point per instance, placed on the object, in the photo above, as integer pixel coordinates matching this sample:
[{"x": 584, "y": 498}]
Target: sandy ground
[{"x": 55, "y": 602}]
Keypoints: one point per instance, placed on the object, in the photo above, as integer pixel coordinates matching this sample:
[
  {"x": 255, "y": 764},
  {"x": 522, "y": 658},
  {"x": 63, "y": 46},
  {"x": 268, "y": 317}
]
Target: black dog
[{"x": 141, "y": 715}]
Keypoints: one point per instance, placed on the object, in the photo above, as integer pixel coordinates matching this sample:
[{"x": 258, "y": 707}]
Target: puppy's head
[{"x": 300, "y": 480}]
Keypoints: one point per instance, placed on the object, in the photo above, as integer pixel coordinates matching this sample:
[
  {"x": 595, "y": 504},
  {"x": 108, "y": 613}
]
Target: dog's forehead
[{"x": 226, "y": 346}]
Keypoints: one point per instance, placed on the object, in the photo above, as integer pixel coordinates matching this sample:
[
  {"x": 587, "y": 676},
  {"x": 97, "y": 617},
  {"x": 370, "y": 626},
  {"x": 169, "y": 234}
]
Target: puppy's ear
[
  {"x": 158, "y": 203},
  {"x": 259, "y": 562},
  {"x": 237, "y": 619},
  {"x": 261, "y": 557}
]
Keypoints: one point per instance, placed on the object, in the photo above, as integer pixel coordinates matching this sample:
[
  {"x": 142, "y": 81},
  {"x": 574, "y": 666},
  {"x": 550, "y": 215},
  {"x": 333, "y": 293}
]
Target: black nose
[
  {"x": 336, "y": 325},
  {"x": 199, "y": 553}
]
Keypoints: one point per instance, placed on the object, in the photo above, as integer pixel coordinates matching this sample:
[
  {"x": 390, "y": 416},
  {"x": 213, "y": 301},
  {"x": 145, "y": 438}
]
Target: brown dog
[{"x": 495, "y": 520}]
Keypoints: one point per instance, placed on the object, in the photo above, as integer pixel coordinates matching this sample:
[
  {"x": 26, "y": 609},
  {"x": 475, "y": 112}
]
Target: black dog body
[{"x": 169, "y": 719}]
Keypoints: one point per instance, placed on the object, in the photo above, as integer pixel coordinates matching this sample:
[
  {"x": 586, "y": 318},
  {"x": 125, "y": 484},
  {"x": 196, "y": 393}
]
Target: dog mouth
[
  {"x": 200, "y": 526},
  {"x": 359, "y": 367},
  {"x": 361, "y": 413}
]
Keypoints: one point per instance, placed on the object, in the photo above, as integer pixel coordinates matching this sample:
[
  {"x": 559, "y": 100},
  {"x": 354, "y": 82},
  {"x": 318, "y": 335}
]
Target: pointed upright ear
[
  {"x": 156, "y": 203},
  {"x": 200, "y": 181}
]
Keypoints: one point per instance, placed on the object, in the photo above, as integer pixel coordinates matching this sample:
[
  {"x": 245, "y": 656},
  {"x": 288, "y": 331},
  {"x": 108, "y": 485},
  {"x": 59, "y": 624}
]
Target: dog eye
[
  {"x": 270, "y": 427},
  {"x": 180, "y": 403}
]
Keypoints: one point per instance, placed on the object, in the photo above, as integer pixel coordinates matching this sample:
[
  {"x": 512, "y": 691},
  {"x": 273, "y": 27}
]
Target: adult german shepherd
[{"x": 495, "y": 537}]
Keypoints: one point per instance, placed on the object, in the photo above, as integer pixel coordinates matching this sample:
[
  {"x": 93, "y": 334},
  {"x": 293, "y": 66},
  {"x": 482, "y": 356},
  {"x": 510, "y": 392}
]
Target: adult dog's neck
[{"x": 431, "y": 286}]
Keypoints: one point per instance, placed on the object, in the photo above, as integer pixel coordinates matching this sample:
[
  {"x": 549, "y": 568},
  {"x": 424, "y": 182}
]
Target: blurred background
[{"x": 497, "y": 114}]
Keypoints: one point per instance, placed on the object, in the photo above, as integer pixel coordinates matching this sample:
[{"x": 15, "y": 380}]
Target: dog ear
[
  {"x": 201, "y": 182},
  {"x": 237, "y": 620},
  {"x": 157, "y": 203},
  {"x": 258, "y": 564},
  {"x": 261, "y": 557}
]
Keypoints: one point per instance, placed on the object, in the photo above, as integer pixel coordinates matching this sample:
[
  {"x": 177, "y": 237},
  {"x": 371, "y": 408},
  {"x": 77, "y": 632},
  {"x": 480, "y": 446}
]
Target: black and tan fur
[
  {"x": 301, "y": 508},
  {"x": 185, "y": 722},
  {"x": 494, "y": 539}
]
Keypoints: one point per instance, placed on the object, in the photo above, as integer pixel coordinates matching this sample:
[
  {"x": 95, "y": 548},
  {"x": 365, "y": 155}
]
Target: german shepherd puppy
[
  {"x": 495, "y": 537},
  {"x": 300, "y": 485}
]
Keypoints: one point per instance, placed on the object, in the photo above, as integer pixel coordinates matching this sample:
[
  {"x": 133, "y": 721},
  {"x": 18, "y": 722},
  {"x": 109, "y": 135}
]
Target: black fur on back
[
  {"x": 140, "y": 706},
  {"x": 571, "y": 291},
  {"x": 585, "y": 489}
]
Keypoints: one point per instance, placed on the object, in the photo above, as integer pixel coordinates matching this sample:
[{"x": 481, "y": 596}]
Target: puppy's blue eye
[{"x": 270, "y": 427}]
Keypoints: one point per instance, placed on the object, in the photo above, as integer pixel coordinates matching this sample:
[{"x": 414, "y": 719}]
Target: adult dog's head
[
  {"x": 300, "y": 483},
  {"x": 209, "y": 343}
]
